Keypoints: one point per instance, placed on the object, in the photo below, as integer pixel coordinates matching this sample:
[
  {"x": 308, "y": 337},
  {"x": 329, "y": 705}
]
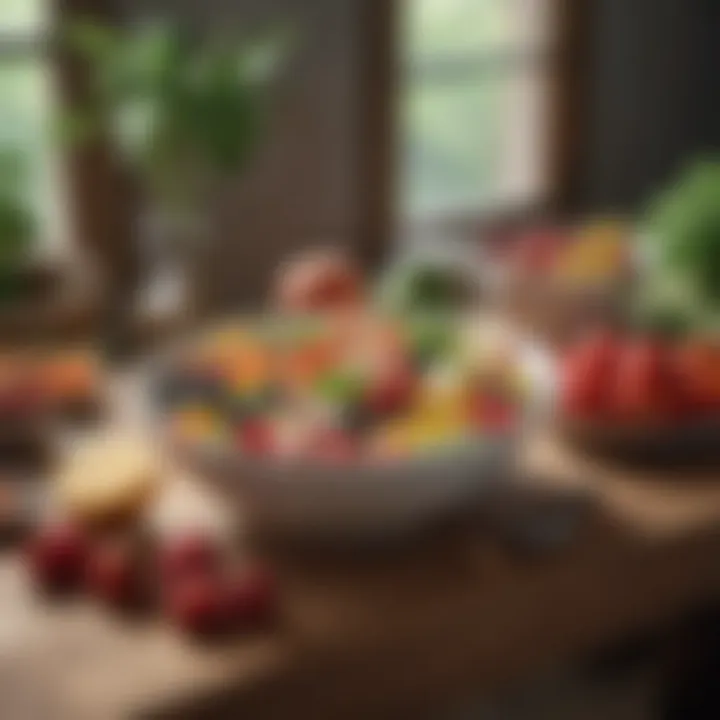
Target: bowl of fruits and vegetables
[{"x": 357, "y": 423}]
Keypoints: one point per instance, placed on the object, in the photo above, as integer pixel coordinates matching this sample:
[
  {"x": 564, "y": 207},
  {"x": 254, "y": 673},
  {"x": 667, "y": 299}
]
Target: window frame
[
  {"x": 99, "y": 200},
  {"x": 568, "y": 68}
]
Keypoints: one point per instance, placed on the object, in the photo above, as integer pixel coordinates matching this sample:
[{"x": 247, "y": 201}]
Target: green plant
[
  {"x": 184, "y": 110},
  {"x": 17, "y": 223}
]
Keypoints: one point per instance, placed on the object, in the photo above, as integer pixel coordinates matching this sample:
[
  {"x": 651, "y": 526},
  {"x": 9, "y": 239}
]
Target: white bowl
[
  {"x": 359, "y": 501},
  {"x": 373, "y": 499}
]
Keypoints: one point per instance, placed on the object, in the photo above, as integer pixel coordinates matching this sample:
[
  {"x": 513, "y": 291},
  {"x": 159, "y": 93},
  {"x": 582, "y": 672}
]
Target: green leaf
[
  {"x": 17, "y": 229},
  {"x": 684, "y": 222}
]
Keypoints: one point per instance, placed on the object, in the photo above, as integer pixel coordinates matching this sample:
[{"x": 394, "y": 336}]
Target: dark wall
[{"x": 654, "y": 95}]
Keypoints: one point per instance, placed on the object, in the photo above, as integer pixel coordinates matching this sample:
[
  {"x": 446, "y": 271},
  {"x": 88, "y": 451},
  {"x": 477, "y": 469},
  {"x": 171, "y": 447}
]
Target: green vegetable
[
  {"x": 341, "y": 387},
  {"x": 684, "y": 227},
  {"x": 17, "y": 226},
  {"x": 431, "y": 337},
  {"x": 424, "y": 287}
]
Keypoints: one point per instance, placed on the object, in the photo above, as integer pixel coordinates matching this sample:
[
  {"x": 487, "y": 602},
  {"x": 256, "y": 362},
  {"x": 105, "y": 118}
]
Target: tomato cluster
[{"x": 640, "y": 379}]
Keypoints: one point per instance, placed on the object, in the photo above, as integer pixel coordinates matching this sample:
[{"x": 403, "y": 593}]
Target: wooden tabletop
[{"x": 391, "y": 631}]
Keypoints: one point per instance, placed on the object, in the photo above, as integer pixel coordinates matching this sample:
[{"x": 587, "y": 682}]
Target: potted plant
[{"x": 185, "y": 113}]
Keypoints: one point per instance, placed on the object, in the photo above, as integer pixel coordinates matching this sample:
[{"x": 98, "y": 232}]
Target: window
[
  {"x": 26, "y": 105},
  {"x": 472, "y": 116}
]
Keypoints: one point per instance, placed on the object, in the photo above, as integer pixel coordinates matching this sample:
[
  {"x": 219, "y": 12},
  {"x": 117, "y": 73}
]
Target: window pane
[
  {"x": 471, "y": 27},
  {"x": 25, "y": 129},
  {"x": 472, "y": 109},
  {"x": 23, "y": 16},
  {"x": 472, "y": 143}
]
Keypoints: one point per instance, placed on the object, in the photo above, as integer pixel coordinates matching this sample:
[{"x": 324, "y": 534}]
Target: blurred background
[
  {"x": 160, "y": 158},
  {"x": 393, "y": 120}
]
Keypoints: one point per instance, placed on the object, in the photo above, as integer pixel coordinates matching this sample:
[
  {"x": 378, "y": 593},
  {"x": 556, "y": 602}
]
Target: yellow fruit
[{"x": 108, "y": 478}]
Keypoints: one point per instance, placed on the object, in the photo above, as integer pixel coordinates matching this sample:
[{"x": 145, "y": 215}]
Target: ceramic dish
[{"x": 365, "y": 498}]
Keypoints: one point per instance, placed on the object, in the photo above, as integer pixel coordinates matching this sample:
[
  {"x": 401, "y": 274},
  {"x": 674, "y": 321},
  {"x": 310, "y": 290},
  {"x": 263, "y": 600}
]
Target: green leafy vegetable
[
  {"x": 424, "y": 287},
  {"x": 684, "y": 225}
]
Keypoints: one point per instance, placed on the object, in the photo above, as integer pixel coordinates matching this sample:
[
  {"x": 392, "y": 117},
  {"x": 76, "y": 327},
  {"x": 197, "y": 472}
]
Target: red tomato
[
  {"x": 319, "y": 281},
  {"x": 697, "y": 364},
  {"x": 587, "y": 376},
  {"x": 646, "y": 388}
]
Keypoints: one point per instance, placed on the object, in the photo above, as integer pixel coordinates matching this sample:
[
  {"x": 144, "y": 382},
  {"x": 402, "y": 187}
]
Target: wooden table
[{"x": 391, "y": 633}]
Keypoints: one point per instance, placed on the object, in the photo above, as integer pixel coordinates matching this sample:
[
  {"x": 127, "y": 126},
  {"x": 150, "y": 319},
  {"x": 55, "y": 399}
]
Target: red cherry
[
  {"x": 255, "y": 437},
  {"x": 198, "y": 604},
  {"x": 114, "y": 574},
  {"x": 188, "y": 555},
  {"x": 251, "y": 598},
  {"x": 57, "y": 557}
]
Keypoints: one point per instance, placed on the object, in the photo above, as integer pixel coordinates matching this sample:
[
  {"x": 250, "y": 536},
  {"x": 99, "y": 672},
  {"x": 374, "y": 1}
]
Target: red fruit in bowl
[
  {"x": 198, "y": 604},
  {"x": 57, "y": 556},
  {"x": 391, "y": 391},
  {"x": 188, "y": 555},
  {"x": 114, "y": 574},
  {"x": 587, "y": 376},
  {"x": 251, "y": 597}
]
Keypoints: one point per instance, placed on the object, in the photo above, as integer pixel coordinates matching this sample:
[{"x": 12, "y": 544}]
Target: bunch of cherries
[{"x": 189, "y": 577}]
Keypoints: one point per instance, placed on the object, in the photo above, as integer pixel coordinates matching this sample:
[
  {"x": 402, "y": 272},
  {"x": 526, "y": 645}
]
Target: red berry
[
  {"x": 197, "y": 604},
  {"x": 188, "y": 555},
  {"x": 114, "y": 574},
  {"x": 251, "y": 598},
  {"x": 57, "y": 557}
]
